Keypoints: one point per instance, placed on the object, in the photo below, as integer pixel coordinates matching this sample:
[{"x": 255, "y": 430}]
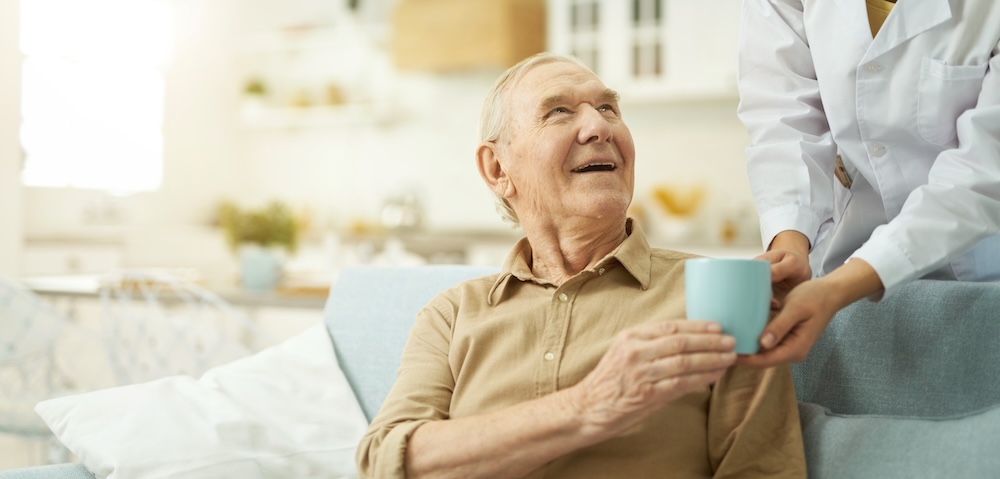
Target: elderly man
[{"x": 576, "y": 360}]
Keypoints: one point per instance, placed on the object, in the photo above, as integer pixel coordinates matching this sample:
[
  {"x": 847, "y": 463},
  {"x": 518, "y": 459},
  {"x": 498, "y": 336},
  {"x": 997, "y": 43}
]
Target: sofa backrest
[
  {"x": 930, "y": 350},
  {"x": 369, "y": 314}
]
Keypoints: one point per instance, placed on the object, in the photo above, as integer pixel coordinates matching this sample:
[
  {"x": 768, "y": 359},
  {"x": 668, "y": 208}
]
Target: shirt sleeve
[
  {"x": 753, "y": 425},
  {"x": 959, "y": 205},
  {"x": 790, "y": 159},
  {"x": 422, "y": 393}
]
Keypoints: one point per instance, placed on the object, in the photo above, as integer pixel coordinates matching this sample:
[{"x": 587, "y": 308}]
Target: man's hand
[
  {"x": 807, "y": 310},
  {"x": 648, "y": 366}
]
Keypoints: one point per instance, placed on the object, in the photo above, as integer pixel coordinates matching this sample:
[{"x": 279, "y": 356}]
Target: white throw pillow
[{"x": 285, "y": 412}]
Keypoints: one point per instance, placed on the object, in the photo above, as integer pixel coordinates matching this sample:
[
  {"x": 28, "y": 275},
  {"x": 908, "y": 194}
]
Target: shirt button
[
  {"x": 549, "y": 356},
  {"x": 601, "y": 271},
  {"x": 876, "y": 149},
  {"x": 563, "y": 297},
  {"x": 873, "y": 67}
]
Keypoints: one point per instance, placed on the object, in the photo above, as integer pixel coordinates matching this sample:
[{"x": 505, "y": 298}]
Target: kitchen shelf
[
  {"x": 317, "y": 76},
  {"x": 321, "y": 116},
  {"x": 319, "y": 38}
]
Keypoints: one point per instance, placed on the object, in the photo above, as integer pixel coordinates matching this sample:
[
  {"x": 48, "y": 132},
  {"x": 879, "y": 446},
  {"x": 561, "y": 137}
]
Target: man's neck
[{"x": 558, "y": 254}]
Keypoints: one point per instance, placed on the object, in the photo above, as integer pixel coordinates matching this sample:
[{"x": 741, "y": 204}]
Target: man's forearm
[{"x": 508, "y": 443}]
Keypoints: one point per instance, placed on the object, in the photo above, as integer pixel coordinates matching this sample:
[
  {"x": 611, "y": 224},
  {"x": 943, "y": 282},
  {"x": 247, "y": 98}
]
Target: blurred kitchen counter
[
  {"x": 486, "y": 247},
  {"x": 489, "y": 247},
  {"x": 311, "y": 295}
]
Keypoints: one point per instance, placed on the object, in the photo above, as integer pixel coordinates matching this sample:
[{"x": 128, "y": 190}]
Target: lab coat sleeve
[
  {"x": 791, "y": 154},
  {"x": 957, "y": 208}
]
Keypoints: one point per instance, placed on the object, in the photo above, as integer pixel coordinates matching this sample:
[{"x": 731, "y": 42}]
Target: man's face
[{"x": 567, "y": 151}]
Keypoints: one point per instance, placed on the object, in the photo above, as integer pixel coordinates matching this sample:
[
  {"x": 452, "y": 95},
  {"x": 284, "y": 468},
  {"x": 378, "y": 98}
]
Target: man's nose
[{"x": 594, "y": 127}]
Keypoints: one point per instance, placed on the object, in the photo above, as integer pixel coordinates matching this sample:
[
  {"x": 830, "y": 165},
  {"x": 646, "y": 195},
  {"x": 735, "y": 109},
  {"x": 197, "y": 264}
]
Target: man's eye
[
  {"x": 559, "y": 110},
  {"x": 606, "y": 108}
]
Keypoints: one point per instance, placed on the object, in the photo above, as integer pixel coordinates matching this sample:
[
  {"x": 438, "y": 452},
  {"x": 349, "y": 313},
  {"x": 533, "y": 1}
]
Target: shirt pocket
[{"x": 944, "y": 92}]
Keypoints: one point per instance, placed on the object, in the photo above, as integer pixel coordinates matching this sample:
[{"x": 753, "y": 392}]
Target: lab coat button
[
  {"x": 876, "y": 149},
  {"x": 873, "y": 67}
]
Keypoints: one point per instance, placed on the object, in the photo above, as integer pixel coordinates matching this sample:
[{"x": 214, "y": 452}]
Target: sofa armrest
[
  {"x": 931, "y": 350},
  {"x": 886, "y": 447}
]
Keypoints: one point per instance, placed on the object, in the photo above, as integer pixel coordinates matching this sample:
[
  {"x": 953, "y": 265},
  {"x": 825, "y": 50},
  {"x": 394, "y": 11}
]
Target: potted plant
[{"x": 261, "y": 238}]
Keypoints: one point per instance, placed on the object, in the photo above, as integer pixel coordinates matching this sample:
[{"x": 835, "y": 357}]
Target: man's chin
[{"x": 609, "y": 209}]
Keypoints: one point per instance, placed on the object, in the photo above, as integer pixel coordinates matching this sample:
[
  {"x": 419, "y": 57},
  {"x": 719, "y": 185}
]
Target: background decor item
[
  {"x": 457, "y": 35},
  {"x": 675, "y": 209},
  {"x": 255, "y": 93},
  {"x": 261, "y": 238}
]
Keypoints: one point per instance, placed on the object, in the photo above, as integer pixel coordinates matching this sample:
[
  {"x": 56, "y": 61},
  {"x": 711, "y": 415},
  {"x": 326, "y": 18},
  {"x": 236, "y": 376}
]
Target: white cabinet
[{"x": 652, "y": 50}]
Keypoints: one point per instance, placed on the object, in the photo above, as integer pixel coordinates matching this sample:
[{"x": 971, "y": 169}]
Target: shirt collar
[{"x": 634, "y": 254}]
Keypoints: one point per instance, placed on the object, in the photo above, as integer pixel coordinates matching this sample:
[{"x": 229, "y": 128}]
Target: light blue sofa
[{"x": 907, "y": 388}]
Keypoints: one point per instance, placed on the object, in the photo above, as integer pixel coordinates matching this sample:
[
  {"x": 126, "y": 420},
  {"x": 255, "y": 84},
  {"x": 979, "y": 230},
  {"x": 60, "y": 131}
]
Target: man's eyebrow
[
  {"x": 548, "y": 103},
  {"x": 610, "y": 95},
  {"x": 551, "y": 102}
]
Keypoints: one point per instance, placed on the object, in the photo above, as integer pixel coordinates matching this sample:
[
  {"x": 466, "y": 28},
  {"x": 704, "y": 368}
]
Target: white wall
[
  {"x": 169, "y": 227},
  {"x": 341, "y": 174},
  {"x": 11, "y": 229},
  {"x": 348, "y": 172}
]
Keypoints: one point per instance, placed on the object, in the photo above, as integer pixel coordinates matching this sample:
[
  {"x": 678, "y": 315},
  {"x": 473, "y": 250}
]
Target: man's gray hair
[{"x": 492, "y": 126}]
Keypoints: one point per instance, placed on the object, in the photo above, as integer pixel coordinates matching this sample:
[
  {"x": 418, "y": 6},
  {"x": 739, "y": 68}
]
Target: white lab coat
[{"x": 914, "y": 113}]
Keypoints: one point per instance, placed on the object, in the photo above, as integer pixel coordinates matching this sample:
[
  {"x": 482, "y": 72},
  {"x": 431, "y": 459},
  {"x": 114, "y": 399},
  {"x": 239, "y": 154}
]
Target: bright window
[{"x": 92, "y": 93}]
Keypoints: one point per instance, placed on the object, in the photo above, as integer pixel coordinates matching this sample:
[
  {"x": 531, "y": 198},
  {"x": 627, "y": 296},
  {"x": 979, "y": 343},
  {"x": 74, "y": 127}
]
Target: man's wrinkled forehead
[{"x": 528, "y": 86}]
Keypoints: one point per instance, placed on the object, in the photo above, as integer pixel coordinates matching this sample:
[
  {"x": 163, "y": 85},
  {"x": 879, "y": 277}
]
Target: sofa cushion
[
  {"x": 369, "y": 313},
  {"x": 930, "y": 350},
  {"x": 849, "y": 447},
  {"x": 286, "y": 411},
  {"x": 55, "y": 471}
]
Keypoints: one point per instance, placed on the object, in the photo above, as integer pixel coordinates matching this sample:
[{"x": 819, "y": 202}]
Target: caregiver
[{"x": 874, "y": 154}]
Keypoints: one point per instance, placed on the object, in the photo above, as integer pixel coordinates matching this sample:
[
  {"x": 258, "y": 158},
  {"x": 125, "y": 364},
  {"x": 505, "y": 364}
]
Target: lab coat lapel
[
  {"x": 855, "y": 21},
  {"x": 908, "y": 19}
]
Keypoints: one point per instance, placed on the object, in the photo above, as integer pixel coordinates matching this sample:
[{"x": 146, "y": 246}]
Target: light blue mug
[{"x": 734, "y": 292}]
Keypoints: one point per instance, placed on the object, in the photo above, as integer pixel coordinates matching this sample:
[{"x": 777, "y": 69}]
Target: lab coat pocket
[{"x": 944, "y": 92}]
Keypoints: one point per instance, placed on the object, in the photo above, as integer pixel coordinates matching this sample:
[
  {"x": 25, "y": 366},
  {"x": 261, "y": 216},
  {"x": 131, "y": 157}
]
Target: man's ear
[{"x": 490, "y": 168}]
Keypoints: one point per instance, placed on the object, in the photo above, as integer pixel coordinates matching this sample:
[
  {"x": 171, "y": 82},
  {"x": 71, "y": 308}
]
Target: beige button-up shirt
[{"x": 496, "y": 341}]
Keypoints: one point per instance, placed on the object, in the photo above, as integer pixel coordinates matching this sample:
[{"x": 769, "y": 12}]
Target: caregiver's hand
[
  {"x": 788, "y": 254},
  {"x": 806, "y": 311}
]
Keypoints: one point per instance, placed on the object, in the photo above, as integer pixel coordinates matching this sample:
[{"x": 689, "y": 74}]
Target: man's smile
[{"x": 591, "y": 167}]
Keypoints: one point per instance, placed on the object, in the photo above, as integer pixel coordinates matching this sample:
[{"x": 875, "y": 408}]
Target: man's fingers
[
  {"x": 687, "y": 364},
  {"x": 659, "y": 329},
  {"x": 688, "y": 343},
  {"x": 678, "y": 385}
]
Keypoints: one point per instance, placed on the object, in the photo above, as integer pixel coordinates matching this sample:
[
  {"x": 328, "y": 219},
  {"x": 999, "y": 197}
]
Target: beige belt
[{"x": 841, "y": 173}]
